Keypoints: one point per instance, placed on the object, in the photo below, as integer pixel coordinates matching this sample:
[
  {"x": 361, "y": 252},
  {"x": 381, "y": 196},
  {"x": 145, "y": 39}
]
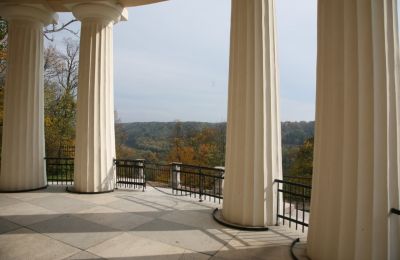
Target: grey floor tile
[
  {"x": 267, "y": 253},
  {"x": 25, "y": 213},
  {"x": 6, "y": 200},
  {"x": 113, "y": 218},
  {"x": 83, "y": 255},
  {"x": 6, "y": 226},
  {"x": 62, "y": 204},
  {"x": 192, "y": 238},
  {"x": 144, "y": 209},
  {"x": 75, "y": 231},
  {"x": 26, "y": 244},
  {"x": 126, "y": 246}
]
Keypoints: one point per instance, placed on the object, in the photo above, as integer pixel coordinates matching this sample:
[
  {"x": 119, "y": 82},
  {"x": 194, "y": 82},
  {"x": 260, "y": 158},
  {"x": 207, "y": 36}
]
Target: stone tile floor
[{"x": 54, "y": 224}]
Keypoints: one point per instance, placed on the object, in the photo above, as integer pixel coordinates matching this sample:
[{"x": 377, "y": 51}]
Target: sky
[{"x": 171, "y": 60}]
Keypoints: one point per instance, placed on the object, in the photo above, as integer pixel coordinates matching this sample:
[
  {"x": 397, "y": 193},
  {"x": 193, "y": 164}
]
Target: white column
[
  {"x": 22, "y": 157},
  {"x": 253, "y": 158},
  {"x": 357, "y": 143},
  {"x": 95, "y": 138}
]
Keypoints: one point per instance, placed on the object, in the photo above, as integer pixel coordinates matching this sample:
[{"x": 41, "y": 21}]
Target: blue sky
[{"x": 171, "y": 60}]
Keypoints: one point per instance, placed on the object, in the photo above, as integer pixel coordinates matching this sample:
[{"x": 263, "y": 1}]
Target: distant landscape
[{"x": 203, "y": 143}]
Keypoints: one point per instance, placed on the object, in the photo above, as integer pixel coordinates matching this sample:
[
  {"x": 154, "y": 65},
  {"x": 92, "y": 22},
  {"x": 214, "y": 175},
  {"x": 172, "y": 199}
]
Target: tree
[
  {"x": 200, "y": 147},
  {"x": 303, "y": 164},
  {"x": 121, "y": 136},
  {"x": 61, "y": 67},
  {"x": 61, "y": 77},
  {"x": 51, "y": 29}
]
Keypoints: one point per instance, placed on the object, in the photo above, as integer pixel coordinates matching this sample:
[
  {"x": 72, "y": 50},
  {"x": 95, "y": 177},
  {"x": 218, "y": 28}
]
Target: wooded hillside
[{"x": 204, "y": 143}]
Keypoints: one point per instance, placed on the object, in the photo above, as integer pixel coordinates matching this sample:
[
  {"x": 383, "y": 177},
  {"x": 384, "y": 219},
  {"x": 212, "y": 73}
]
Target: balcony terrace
[
  {"x": 356, "y": 168},
  {"x": 129, "y": 224}
]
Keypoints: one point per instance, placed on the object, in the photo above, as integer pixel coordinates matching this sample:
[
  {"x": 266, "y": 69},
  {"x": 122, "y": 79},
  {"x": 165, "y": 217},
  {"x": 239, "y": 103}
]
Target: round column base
[
  {"x": 217, "y": 215},
  {"x": 28, "y": 190},
  {"x": 72, "y": 190}
]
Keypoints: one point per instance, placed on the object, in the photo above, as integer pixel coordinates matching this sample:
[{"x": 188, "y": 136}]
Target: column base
[
  {"x": 28, "y": 190},
  {"x": 72, "y": 190},
  {"x": 217, "y": 215}
]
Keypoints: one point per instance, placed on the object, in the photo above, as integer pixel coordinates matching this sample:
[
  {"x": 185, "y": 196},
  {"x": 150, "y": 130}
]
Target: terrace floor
[{"x": 54, "y": 224}]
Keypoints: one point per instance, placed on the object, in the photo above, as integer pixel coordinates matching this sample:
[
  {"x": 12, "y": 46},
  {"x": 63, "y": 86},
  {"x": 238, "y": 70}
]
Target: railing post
[
  {"x": 115, "y": 165},
  {"x": 140, "y": 166},
  {"x": 201, "y": 186},
  {"x": 176, "y": 175},
  {"x": 220, "y": 187}
]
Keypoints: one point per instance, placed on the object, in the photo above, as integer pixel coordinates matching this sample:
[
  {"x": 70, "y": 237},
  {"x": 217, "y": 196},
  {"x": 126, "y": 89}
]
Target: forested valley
[{"x": 203, "y": 143}]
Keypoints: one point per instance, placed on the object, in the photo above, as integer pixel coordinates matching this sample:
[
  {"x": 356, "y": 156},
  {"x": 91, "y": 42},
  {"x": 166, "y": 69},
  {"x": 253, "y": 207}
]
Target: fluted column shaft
[
  {"x": 22, "y": 157},
  {"x": 95, "y": 137},
  {"x": 253, "y": 158},
  {"x": 357, "y": 141}
]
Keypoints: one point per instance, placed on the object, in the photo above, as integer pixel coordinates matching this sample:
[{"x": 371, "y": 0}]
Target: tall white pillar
[
  {"x": 22, "y": 157},
  {"x": 357, "y": 143},
  {"x": 253, "y": 156},
  {"x": 95, "y": 137}
]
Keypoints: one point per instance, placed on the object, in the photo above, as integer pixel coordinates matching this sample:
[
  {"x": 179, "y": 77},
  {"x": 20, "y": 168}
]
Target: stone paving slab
[
  {"x": 189, "y": 237},
  {"x": 27, "y": 244},
  {"x": 124, "y": 221},
  {"x": 75, "y": 231},
  {"x": 83, "y": 255},
  {"x": 54, "y": 224},
  {"x": 25, "y": 213},
  {"x": 62, "y": 204},
  {"x": 7, "y": 226},
  {"x": 126, "y": 245}
]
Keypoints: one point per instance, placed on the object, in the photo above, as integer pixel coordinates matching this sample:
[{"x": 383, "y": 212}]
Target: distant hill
[
  {"x": 155, "y": 136},
  {"x": 295, "y": 133}
]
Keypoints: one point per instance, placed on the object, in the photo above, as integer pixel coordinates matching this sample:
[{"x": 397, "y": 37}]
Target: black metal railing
[
  {"x": 197, "y": 181},
  {"x": 189, "y": 180},
  {"x": 293, "y": 203},
  {"x": 305, "y": 180},
  {"x": 66, "y": 151},
  {"x": 60, "y": 171},
  {"x": 130, "y": 174},
  {"x": 158, "y": 174}
]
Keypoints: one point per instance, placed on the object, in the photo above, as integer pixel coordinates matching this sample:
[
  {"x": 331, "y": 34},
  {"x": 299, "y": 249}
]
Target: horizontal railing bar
[
  {"x": 297, "y": 177},
  {"x": 59, "y": 158},
  {"x": 202, "y": 174},
  {"x": 293, "y": 184},
  {"x": 128, "y": 160},
  {"x": 199, "y": 167},
  {"x": 293, "y": 220},
  {"x": 294, "y": 194},
  {"x": 130, "y": 166}
]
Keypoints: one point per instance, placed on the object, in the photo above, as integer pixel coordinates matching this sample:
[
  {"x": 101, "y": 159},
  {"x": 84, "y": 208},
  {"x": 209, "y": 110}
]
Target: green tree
[{"x": 303, "y": 164}]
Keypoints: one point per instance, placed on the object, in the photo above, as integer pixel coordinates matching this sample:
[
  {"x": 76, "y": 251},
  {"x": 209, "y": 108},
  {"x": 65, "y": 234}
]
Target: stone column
[
  {"x": 22, "y": 157},
  {"x": 357, "y": 141},
  {"x": 253, "y": 157},
  {"x": 95, "y": 137}
]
